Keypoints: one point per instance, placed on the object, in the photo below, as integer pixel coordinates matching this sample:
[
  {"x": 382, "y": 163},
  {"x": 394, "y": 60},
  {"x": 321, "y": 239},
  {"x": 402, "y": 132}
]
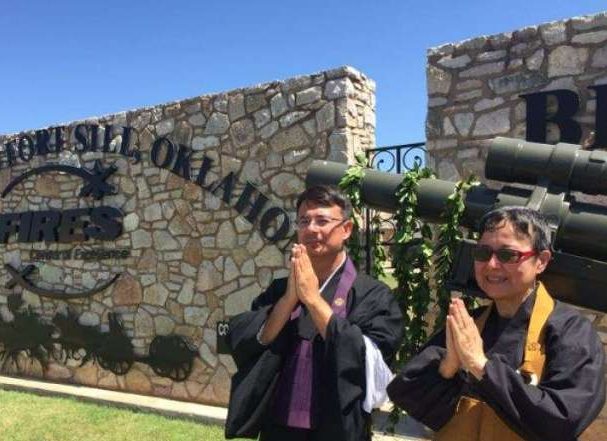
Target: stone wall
[
  {"x": 474, "y": 86},
  {"x": 193, "y": 255},
  {"x": 474, "y": 90}
]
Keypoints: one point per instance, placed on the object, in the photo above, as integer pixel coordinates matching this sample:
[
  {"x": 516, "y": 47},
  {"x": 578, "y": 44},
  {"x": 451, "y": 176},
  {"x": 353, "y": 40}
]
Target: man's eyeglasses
[
  {"x": 320, "y": 222},
  {"x": 483, "y": 253}
]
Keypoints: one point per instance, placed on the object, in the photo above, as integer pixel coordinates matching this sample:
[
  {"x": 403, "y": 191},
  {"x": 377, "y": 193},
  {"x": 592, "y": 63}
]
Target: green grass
[
  {"x": 30, "y": 417},
  {"x": 389, "y": 280}
]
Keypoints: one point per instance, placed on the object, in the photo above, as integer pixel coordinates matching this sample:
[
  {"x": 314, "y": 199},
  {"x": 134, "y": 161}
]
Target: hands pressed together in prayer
[
  {"x": 302, "y": 286},
  {"x": 463, "y": 342},
  {"x": 302, "y": 278},
  {"x": 305, "y": 285}
]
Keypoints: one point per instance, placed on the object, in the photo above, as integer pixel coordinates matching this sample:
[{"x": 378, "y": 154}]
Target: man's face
[
  {"x": 508, "y": 281},
  {"x": 326, "y": 230}
]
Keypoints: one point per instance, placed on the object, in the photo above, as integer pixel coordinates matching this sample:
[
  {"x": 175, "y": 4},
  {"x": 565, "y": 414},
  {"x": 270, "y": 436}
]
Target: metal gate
[{"x": 393, "y": 159}]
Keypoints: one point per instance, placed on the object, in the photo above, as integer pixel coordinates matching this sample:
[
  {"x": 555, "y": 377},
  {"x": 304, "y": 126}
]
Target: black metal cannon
[{"x": 552, "y": 175}]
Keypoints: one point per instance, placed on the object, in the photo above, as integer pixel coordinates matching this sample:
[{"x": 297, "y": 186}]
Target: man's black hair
[{"x": 326, "y": 196}]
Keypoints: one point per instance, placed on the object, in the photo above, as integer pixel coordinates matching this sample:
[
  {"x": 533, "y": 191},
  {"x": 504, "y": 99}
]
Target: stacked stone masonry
[
  {"x": 474, "y": 90},
  {"x": 193, "y": 260}
]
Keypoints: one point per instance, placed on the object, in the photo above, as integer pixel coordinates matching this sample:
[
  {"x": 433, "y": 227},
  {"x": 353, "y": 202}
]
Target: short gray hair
[{"x": 525, "y": 222}]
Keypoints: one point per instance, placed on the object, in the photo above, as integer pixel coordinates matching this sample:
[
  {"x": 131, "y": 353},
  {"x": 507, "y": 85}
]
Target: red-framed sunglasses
[{"x": 483, "y": 253}]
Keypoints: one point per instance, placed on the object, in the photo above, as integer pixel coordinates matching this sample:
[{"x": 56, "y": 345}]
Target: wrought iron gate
[{"x": 393, "y": 159}]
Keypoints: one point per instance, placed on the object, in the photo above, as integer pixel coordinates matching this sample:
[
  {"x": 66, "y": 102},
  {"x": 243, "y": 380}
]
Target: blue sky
[{"x": 63, "y": 60}]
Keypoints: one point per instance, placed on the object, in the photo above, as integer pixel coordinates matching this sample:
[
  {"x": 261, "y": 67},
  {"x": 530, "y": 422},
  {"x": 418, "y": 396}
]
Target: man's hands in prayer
[
  {"x": 291, "y": 294},
  {"x": 305, "y": 280},
  {"x": 306, "y": 287},
  {"x": 280, "y": 313},
  {"x": 466, "y": 339}
]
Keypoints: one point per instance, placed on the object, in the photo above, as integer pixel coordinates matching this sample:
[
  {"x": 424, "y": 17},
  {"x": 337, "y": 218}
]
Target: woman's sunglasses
[{"x": 483, "y": 253}]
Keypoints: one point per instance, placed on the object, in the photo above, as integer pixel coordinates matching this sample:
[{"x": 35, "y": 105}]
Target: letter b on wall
[
  {"x": 567, "y": 105},
  {"x": 538, "y": 118}
]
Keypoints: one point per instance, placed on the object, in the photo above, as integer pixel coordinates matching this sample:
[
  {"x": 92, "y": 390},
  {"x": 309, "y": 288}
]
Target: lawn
[
  {"x": 389, "y": 280},
  {"x": 30, "y": 417}
]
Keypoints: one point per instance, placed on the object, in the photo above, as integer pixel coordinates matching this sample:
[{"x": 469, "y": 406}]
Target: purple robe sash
[{"x": 293, "y": 400}]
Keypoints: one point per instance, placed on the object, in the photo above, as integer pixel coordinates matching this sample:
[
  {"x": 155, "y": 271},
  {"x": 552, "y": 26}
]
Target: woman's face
[{"x": 508, "y": 281}]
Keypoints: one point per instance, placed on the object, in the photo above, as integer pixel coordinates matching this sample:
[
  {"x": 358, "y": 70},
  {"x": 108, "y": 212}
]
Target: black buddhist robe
[
  {"x": 570, "y": 394},
  {"x": 340, "y": 360}
]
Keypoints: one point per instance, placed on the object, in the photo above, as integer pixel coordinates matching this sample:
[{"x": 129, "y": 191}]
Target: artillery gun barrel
[
  {"x": 565, "y": 165},
  {"x": 578, "y": 271},
  {"x": 582, "y": 227}
]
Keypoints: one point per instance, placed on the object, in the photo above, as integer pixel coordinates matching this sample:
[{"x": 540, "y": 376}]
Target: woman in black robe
[{"x": 461, "y": 362}]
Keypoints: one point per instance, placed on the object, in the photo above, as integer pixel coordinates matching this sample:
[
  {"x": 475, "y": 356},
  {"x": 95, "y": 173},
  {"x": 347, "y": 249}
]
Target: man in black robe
[
  {"x": 325, "y": 310},
  {"x": 460, "y": 362}
]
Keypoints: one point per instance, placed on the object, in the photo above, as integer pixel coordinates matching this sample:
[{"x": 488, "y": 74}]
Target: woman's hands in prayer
[
  {"x": 450, "y": 363},
  {"x": 465, "y": 339}
]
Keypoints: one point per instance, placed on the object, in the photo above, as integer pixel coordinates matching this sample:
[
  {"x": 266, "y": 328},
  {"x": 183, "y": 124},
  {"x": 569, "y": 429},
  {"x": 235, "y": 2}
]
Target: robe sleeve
[
  {"x": 379, "y": 318},
  {"x": 244, "y": 327},
  {"x": 421, "y": 391},
  {"x": 571, "y": 392},
  {"x": 377, "y": 377},
  {"x": 257, "y": 366}
]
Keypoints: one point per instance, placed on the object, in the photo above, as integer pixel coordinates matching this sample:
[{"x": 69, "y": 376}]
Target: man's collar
[{"x": 335, "y": 271}]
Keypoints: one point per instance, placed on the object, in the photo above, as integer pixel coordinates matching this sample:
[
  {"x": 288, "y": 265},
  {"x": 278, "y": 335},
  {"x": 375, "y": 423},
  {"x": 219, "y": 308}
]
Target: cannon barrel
[
  {"x": 579, "y": 228},
  {"x": 566, "y": 165},
  {"x": 582, "y": 227}
]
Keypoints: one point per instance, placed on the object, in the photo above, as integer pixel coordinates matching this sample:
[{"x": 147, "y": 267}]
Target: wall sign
[
  {"x": 272, "y": 221},
  {"x": 169, "y": 356},
  {"x": 567, "y": 105}
]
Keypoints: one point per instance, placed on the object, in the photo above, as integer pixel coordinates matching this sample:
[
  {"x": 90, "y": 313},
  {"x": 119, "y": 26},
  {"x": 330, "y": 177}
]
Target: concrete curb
[
  {"x": 163, "y": 406},
  {"x": 407, "y": 429}
]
